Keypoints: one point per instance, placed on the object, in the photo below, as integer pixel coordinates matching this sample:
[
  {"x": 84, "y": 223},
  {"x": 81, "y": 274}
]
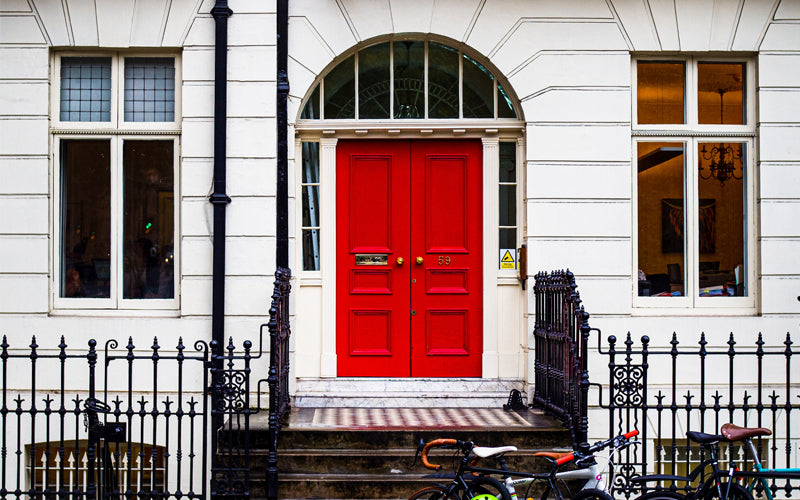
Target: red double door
[{"x": 409, "y": 258}]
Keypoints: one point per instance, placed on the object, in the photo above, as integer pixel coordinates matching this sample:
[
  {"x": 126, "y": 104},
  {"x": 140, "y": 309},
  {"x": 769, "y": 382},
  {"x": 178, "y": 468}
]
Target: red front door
[{"x": 409, "y": 254}]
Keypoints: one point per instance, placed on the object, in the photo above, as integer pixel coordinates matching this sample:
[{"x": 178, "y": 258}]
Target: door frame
[{"x": 493, "y": 277}]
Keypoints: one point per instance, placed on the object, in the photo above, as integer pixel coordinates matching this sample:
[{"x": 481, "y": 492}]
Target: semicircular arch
[{"x": 409, "y": 76}]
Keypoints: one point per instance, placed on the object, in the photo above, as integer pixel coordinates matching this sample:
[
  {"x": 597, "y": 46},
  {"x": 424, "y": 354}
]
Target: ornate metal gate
[{"x": 136, "y": 421}]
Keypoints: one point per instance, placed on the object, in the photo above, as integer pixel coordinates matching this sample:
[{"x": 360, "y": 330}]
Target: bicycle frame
[
  {"x": 593, "y": 474},
  {"x": 760, "y": 474}
]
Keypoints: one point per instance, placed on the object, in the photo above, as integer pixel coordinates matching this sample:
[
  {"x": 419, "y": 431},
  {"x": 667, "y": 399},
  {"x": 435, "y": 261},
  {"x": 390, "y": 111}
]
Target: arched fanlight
[{"x": 408, "y": 79}]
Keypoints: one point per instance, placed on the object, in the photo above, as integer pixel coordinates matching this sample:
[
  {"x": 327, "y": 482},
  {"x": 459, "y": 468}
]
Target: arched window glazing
[{"x": 409, "y": 79}]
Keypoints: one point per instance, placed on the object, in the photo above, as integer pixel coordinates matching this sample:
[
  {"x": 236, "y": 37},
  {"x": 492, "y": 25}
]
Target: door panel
[
  {"x": 372, "y": 335},
  {"x": 409, "y": 200},
  {"x": 447, "y": 331}
]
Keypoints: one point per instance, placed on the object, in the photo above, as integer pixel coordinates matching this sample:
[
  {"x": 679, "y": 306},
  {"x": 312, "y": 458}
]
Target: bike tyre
[
  {"x": 485, "y": 485},
  {"x": 661, "y": 495},
  {"x": 433, "y": 492},
  {"x": 737, "y": 492},
  {"x": 592, "y": 494}
]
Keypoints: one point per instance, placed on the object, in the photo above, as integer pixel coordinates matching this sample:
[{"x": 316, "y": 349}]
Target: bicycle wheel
[
  {"x": 661, "y": 495},
  {"x": 737, "y": 492},
  {"x": 592, "y": 494},
  {"x": 484, "y": 488},
  {"x": 434, "y": 492}
]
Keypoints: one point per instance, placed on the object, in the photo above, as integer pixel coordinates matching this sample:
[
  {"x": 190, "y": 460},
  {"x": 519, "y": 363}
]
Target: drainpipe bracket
[
  {"x": 221, "y": 11},
  {"x": 219, "y": 199}
]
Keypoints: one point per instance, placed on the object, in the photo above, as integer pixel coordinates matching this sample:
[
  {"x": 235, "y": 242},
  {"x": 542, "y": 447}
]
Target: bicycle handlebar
[{"x": 436, "y": 443}]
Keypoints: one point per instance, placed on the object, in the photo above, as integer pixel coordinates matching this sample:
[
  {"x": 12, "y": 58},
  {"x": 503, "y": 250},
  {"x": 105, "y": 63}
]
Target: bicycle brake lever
[{"x": 420, "y": 447}]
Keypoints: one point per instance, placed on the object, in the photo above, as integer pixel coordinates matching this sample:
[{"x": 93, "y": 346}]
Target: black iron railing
[
  {"x": 700, "y": 387},
  {"x": 279, "y": 333},
  {"x": 133, "y": 421},
  {"x": 561, "y": 334},
  {"x": 92, "y": 423}
]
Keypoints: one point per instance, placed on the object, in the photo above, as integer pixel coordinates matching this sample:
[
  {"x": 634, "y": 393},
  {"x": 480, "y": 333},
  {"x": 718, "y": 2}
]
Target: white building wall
[
  {"x": 567, "y": 61},
  {"x": 30, "y": 32}
]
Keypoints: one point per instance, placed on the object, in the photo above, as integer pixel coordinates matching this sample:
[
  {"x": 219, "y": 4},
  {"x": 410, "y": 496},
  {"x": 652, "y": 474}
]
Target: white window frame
[
  {"x": 116, "y": 132},
  {"x": 691, "y": 134},
  {"x": 117, "y": 122}
]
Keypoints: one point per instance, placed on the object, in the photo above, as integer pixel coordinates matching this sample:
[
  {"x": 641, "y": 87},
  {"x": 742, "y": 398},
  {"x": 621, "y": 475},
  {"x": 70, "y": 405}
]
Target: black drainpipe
[
  {"x": 282, "y": 186},
  {"x": 219, "y": 198}
]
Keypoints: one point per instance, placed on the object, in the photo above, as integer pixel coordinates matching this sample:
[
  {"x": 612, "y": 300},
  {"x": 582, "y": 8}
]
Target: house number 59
[{"x": 444, "y": 260}]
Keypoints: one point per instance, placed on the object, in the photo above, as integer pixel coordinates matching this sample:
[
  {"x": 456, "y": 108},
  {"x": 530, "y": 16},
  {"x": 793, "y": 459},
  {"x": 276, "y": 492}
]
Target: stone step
[
  {"x": 379, "y": 461},
  {"x": 403, "y": 393},
  {"x": 365, "y": 453}
]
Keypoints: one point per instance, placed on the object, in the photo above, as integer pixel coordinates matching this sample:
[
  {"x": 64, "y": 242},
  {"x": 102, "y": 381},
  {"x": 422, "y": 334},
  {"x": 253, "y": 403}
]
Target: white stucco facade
[{"x": 569, "y": 65}]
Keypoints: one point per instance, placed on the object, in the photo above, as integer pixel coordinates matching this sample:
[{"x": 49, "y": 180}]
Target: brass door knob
[
  {"x": 419, "y": 260},
  {"x": 400, "y": 261}
]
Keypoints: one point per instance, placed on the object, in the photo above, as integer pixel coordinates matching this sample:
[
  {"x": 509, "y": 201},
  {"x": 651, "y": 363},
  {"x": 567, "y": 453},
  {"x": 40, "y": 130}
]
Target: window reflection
[
  {"x": 340, "y": 90},
  {"x": 409, "y": 79},
  {"x": 430, "y": 80},
  {"x": 721, "y": 228},
  {"x": 660, "y": 92},
  {"x": 442, "y": 81},
  {"x": 86, "y": 218},
  {"x": 478, "y": 90},
  {"x": 720, "y": 91},
  {"x": 373, "y": 82},
  {"x": 149, "y": 220},
  {"x": 310, "y": 203},
  {"x": 661, "y": 219}
]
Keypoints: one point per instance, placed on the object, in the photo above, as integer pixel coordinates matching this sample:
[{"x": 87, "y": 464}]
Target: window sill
[
  {"x": 645, "y": 311},
  {"x": 117, "y": 313}
]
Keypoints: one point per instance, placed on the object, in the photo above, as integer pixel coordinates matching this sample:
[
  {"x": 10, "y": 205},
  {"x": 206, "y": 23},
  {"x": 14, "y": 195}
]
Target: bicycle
[
  {"x": 759, "y": 474},
  {"x": 481, "y": 486},
  {"x": 588, "y": 469},
  {"x": 464, "y": 485},
  {"x": 711, "y": 484}
]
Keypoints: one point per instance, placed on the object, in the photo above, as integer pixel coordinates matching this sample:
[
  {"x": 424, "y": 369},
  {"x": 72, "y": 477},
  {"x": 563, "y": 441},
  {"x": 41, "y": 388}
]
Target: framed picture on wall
[{"x": 672, "y": 225}]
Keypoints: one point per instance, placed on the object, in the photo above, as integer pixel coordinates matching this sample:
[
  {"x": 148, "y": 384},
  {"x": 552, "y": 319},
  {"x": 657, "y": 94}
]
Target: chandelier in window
[
  {"x": 722, "y": 158},
  {"x": 722, "y": 166}
]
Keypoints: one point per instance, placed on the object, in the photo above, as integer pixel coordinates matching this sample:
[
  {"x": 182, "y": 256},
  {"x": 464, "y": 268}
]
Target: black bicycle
[{"x": 712, "y": 482}]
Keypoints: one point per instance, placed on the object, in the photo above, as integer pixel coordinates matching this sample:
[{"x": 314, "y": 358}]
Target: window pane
[
  {"x": 310, "y": 163},
  {"x": 311, "y": 111},
  {"x": 409, "y": 79},
  {"x": 478, "y": 90},
  {"x": 722, "y": 220},
  {"x": 442, "y": 81},
  {"x": 504, "y": 107},
  {"x": 720, "y": 93},
  {"x": 85, "y": 89},
  {"x": 373, "y": 82},
  {"x": 311, "y": 249},
  {"x": 310, "y": 206},
  {"x": 149, "y": 89},
  {"x": 508, "y": 238},
  {"x": 148, "y": 222},
  {"x": 508, "y": 205},
  {"x": 508, "y": 162},
  {"x": 310, "y": 203},
  {"x": 661, "y": 219},
  {"x": 85, "y": 219},
  {"x": 661, "y": 91},
  {"x": 340, "y": 93}
]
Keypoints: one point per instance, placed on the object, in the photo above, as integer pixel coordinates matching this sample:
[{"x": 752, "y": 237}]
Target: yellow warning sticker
[{"x": 508, "y": 258}]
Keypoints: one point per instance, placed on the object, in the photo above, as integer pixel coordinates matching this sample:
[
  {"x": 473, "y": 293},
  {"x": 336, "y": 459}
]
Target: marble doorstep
[
  {"x": 403, "y": 393},
  {"x": 414, "y": 419}
]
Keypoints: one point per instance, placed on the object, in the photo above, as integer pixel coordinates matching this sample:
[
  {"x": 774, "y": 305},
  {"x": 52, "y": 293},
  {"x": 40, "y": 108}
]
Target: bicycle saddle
[
  {"x": 736, "y": 433},
  {"x": 551, "y": 456},
  {"x": 703, "y": 438},
  {"x": 485, "y": 451}
]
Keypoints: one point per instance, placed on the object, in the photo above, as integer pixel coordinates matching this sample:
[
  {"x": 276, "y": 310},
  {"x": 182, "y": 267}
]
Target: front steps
[
  {"x": 360, "y": 453},
  {"x": 403, "y": 393}
]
